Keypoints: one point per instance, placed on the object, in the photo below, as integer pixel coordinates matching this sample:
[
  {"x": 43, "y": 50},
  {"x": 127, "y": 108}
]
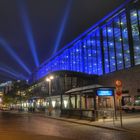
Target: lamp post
[{"x": 49, "y": 79}]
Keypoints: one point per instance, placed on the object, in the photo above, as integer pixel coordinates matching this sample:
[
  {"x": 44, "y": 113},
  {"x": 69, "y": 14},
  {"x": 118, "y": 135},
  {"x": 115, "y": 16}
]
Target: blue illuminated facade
[{"x": 110, "y": 45}]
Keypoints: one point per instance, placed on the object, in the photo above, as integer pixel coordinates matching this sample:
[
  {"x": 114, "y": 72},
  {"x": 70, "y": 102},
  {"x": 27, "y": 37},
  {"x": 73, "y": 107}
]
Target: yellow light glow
[
  {"x": 51, "y": 77},
  {"x": 47, "y": 79}
]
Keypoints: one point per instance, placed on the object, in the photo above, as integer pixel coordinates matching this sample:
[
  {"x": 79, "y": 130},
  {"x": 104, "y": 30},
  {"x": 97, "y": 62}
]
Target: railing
[{"x": 79, "y": 113}]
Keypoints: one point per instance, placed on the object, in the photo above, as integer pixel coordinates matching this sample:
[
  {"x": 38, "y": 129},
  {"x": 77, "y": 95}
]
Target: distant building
[{"x": 6, "y": 87}]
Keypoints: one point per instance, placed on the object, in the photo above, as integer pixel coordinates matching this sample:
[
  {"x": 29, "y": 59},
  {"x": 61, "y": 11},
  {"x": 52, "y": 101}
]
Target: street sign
[
  {"x": 118, "y": 84},
  {"x": 102, "y": 92},
  {"x": 118, "y": 88},
  {"x": 119, "y": 91}
]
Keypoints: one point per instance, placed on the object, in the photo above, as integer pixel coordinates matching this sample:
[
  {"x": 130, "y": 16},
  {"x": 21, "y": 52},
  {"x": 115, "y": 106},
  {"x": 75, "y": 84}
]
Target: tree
[{"x": 16, "y": 93}]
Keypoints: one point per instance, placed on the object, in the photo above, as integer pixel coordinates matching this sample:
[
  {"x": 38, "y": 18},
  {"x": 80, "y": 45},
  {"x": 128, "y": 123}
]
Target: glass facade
[
  {"x": 134, "y": 16},
  {"x": 105, "y": 48}
]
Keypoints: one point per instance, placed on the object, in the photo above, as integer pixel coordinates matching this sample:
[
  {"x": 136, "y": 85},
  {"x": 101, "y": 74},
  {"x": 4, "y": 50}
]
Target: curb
[{"x": 92, "y": 125}]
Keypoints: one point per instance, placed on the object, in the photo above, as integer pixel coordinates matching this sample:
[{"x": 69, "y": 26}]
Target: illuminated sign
[{"x": 104, "y": 92}]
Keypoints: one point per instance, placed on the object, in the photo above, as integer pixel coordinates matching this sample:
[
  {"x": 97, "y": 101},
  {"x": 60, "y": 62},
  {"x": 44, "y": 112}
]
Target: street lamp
[{"x": 49, "y": 79}]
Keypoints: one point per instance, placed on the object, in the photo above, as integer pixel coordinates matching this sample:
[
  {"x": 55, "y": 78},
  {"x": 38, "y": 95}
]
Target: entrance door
[
  {"x": 105, "y": 103},
  {"x": 106, "y": 107}
]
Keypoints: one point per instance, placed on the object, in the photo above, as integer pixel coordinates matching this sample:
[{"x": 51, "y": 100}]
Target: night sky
[{"x": 37, "y": 24}]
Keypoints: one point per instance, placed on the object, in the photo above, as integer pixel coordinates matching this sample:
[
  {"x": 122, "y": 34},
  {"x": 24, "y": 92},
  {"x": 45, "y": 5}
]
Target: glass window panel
[
  {"x": 94, "y": 53},
  {"x": 135, "y": 34},
  {"x": 125, "y": 41},
  {"x": 99, "y": 53},
  {"x": 67, "y": 60},
  {"x": 80, "y": 57},
  {"x": 118, "y": 43},
  {"x": 85, "y": 56},
  {"x": 77, "y": 57},
  {"x": 63, "y": 61},
  {"x": 106, "y": 55},
  {"x": 71, "y": 58},
  {"x": 111, "y": 47},
  {"x": 74, "y": 58},
  {"x": 89, "y": 58}
]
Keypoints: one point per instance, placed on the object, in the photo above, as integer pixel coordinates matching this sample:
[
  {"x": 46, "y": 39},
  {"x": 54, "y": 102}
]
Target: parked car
[
  {"x": 131, "y": 107},
  {"x": 5, "y": 109}
]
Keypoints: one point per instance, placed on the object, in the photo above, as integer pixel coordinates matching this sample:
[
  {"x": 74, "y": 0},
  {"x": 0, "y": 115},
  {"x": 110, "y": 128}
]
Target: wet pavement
[{"x": 16, "y": 126}]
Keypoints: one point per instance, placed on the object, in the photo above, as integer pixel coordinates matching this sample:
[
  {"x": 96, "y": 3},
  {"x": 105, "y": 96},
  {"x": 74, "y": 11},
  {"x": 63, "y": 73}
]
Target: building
[
  {"x": 6, "y": 87},
  {"x": 109, "y": 50}
]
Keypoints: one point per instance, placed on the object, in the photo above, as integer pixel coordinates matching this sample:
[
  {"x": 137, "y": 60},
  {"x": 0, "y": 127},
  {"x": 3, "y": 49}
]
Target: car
[
  {"x": 131, "y": 107},
  {"x": 5, "y": 109}
]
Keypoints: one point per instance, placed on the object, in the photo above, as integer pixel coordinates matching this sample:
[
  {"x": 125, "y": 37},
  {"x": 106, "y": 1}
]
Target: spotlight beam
[
  {"x": 9, "y": 72},
  {"x": 13, "y": 71},
  {"x": 28, "y": 31},
  {"x": 4, "y": 75},
  {"x": 62, "y": 26},
  {"x": 7, "y": 47},
  {"x": 6, "y": 78}
]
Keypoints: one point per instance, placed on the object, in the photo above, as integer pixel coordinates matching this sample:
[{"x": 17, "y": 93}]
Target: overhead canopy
[{"x": 83, "y": 89}]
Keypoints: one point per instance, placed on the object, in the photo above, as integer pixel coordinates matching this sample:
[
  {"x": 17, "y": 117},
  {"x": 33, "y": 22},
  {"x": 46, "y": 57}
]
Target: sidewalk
[
  {"x": 128, "y": 124},
  {"x": 131, "y": 122}
]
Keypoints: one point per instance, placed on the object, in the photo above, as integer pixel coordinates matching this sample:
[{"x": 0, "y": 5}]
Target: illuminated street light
[{"x": 49, "y": 79}]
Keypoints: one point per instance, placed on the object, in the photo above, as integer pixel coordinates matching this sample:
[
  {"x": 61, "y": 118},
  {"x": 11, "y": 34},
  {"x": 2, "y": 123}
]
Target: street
[{"x": 16, "y": 126}]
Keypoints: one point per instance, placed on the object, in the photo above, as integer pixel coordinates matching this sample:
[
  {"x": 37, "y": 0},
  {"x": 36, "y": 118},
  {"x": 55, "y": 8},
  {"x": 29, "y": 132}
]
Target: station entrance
[
  {"x": 93, "y": 102},
  {"x": 106, "y": 103}
]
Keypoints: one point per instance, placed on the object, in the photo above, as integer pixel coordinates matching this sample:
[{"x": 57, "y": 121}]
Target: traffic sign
[
  {"x": 118, "y": 88},
  {"x": 118, "y": 83}
]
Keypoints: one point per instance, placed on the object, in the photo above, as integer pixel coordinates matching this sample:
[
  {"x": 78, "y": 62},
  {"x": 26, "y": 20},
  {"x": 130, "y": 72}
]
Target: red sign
[
  {"x": 119, "y": 93},
  {"x": 118, "y": 83},
  {"x": 118, "y": 88}
]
